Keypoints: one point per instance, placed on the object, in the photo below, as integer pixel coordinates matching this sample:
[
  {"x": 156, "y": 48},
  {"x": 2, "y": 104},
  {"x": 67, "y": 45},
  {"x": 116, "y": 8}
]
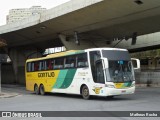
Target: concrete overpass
[{"x": 95, "y": 21}]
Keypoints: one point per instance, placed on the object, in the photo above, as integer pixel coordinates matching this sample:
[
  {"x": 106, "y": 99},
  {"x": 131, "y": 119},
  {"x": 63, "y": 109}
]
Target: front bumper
[{"x": 115, "y": 91}]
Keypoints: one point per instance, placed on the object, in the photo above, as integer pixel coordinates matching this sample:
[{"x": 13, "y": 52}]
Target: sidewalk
[{"x": 8, "y": 95}]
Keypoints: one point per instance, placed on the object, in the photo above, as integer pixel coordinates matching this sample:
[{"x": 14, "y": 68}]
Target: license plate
[{"x": 123, "y": 91}]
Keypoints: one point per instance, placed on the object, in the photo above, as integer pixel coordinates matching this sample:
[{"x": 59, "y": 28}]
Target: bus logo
[
  {"x": 97, "y": 90},
  {"x": 46, "y": 74}
]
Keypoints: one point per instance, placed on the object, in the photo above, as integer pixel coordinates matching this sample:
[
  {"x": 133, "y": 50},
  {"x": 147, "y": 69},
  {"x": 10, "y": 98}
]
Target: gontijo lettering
[{"x": 46, "y": 74}]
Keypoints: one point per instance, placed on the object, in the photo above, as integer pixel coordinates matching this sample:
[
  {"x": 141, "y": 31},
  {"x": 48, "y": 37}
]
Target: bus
[{"x": 106, "y": 72}]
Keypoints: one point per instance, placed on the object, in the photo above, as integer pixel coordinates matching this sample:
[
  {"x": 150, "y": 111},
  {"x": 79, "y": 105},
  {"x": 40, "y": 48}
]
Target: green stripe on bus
[
  {"x": 69, "y": 78},
  {"x": 60, "y": 79},
  {"x": 76, "y": 52}
]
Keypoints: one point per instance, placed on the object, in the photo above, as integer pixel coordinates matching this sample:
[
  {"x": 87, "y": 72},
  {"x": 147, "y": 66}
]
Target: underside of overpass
[{"x": 106, "y": 19}]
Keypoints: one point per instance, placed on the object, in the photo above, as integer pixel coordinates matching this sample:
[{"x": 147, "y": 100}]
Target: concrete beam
[
  {"x": 70, "y": 43},
  {"x": 149, "y": 41}
]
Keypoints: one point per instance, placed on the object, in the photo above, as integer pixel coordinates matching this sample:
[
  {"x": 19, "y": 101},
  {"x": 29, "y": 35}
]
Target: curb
[{"x": 8, "y": 95}]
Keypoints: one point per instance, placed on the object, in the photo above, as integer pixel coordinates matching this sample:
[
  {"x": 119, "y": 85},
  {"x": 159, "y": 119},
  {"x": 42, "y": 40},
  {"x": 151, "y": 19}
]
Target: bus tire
[
  {"x": 36, "y": 89},
  {"x": 110, "y": 97},
  {"x": 41, "y": 89},
  {"x": 85, "y": 92}
]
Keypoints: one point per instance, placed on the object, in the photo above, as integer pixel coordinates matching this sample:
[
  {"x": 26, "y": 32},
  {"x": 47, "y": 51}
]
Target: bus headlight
[{"x": 109, "y": 85}]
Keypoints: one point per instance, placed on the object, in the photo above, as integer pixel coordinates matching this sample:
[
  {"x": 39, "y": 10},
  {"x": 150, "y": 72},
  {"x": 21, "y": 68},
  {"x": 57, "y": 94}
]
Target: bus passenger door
[
  {"x": 96, "y": 67},
  {"x": 99, "y": 72}
]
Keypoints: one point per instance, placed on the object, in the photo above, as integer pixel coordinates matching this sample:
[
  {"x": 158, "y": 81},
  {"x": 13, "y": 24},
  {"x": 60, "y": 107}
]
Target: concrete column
[
  {"x": 18, "y": 57},
  {"x": 13, "y": 54}
]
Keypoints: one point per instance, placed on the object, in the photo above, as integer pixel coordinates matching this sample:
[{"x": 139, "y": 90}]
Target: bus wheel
[
  {"x": 36, "y": 89},
  {"x": 85, "y": 92},
  {"x": 42, "y": 90}
]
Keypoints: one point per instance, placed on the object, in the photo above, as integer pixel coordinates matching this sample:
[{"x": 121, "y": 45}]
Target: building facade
[{"x": 23, "y": 13}]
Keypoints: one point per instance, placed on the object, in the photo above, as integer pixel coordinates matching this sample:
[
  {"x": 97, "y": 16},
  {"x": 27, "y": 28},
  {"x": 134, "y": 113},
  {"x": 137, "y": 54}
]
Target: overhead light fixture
[
  {"x": 139, "y": 2},
  {"x": 76, "y": 38},
  {"x": 43, "y": 27},
  {"x": 134, "y": 38}
]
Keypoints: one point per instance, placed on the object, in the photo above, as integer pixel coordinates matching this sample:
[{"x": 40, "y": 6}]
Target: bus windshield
[
  {"x": 120, "y": 71},
  {"x": 120, "y": 66}
]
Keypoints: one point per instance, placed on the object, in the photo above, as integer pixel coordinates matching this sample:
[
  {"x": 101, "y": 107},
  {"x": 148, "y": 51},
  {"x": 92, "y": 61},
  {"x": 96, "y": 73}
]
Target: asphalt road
[{"x": 144, "y": 99}]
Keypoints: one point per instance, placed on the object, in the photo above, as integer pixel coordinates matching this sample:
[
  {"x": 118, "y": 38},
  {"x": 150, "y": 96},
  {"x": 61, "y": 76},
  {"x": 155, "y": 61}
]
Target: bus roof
[
  {"x": 55, "y": 55},
  {"x": 72, "y": 52},
  {"x": 119, "y": 49}
]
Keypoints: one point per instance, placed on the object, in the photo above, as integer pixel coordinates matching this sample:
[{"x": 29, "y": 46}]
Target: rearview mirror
[{"x": 136, "y": 63}]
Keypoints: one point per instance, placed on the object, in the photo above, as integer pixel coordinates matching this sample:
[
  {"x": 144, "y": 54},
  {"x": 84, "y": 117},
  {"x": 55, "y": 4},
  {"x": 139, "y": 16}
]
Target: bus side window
[
  {"x": 59, "y": 63},
  {"x": 49, "y": 65},
  {"x": 70, "y": 62},
  {"x": 82, "y": 60},
  {"x": 36, "y": 66},
  {"x": 42, "y": 65},
  {"x": 45, "y": 65},
  {"x": 28, "y": 67},
  {"x": 32, "y": 67},
  {"x": 52, "y": 63}
]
